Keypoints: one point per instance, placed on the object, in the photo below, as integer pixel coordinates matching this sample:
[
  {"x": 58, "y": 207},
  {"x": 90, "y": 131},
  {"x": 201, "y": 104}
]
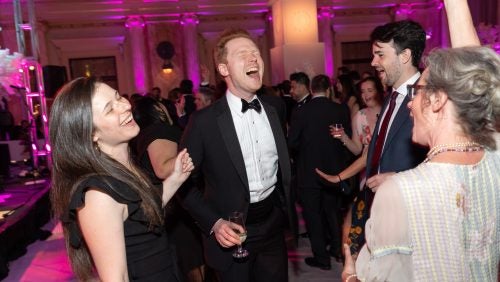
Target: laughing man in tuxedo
[{"x": 240, "y": 154}]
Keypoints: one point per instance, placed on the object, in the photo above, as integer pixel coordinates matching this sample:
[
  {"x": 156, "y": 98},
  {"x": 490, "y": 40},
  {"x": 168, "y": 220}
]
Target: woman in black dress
[
  {"x": 112, "y": 216},
  {"x": 155, "y": 149}
]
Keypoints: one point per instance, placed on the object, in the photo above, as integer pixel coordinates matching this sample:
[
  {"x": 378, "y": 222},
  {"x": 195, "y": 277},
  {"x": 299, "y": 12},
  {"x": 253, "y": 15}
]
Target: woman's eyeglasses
[{"x": 413, "y": 90}]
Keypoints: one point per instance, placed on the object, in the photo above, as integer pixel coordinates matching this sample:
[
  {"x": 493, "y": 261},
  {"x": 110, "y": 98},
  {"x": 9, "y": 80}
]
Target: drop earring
[{"x": 96, "y": 147}]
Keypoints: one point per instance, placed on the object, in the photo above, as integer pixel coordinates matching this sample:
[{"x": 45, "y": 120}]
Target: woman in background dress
[
  {"x": 155, "y": 150},
  {"x": 363, "y": 124}
]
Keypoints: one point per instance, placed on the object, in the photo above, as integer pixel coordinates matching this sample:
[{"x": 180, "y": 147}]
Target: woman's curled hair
[{"x": 470, "y": 76}]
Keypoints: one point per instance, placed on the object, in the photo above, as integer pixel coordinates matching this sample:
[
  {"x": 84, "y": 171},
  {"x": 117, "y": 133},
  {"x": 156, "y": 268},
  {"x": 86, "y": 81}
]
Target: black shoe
[{"x": 313, "y": 262}]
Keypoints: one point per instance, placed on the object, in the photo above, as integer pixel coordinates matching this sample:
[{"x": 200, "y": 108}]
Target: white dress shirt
[
  {"x": 403, "y": 91},
  {"x": 258, "y": 147}
]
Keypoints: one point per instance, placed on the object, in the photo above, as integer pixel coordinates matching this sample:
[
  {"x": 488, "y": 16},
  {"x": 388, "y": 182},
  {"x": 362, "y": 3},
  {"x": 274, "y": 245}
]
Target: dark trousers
[
  {"x": 319, "y": 205},
  {"x": 267, "y": 261}
]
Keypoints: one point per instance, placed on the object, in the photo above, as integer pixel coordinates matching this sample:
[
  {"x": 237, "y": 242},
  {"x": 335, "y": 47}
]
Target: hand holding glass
[
  {"x": 237, "y": 218},
  {"x": 336, "y": 129}
]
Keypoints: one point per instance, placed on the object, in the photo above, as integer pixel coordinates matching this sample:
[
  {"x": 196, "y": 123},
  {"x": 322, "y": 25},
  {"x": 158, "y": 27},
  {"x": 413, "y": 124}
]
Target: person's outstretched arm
[
  {"x": 462, "y": 31},
  {"x": 350, "y": 171}
]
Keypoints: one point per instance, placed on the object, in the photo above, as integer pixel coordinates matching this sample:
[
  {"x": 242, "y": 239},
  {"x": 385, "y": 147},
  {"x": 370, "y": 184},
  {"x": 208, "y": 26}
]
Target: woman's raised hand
[{"x": 182, "y": 168}]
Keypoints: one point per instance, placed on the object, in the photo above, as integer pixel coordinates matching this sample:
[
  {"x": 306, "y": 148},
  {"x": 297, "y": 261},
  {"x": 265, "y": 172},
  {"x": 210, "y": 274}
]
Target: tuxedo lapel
[
  {"x": 284, "y": 168},
  {"x": 228, "y": 132},
  {"x": 279, "y": 139}
]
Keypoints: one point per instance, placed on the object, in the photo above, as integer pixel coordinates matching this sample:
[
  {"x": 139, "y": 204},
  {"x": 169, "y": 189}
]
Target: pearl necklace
[{"x": 456, "y": 147}]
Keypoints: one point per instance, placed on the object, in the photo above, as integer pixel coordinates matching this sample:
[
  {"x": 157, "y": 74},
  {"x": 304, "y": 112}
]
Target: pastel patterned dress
[
  {"x": 360, "y": 211},
  {"x": 437, "y": 222},
  {"x": 364, "y": 132}
]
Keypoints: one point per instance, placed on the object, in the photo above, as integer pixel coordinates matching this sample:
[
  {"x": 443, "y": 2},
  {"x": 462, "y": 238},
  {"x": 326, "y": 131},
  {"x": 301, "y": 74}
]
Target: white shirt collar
[
  {"x": 402, "y": 89},
  {"x": 303, "y": 98},
  {"x": 318, "y": 95}
]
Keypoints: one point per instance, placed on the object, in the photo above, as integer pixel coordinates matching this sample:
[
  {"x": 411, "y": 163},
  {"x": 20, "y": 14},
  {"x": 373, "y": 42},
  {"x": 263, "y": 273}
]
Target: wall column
[
  {"x": 325, "y": 17},
  {"x": 136, "y": 26},
  {"x": 296, "y": 46},
  {"x": 189, "y": 24}
]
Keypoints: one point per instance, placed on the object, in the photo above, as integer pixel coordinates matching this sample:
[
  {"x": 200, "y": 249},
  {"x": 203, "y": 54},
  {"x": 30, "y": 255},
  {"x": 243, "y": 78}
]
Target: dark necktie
[
  {"x": 254, "y": 104},
  {"x": 379, "y": 143}
]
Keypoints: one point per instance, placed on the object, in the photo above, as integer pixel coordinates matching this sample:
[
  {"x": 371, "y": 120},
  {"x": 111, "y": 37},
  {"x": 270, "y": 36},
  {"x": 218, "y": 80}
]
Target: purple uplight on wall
[
  {"x": 439, "y": 5},
  {"x": 189, "y": 18},
  {"x": 325, "y": 12},
  {"x": 134, "y": 21},
  {"x": 135, "y": 25},
  {"x": 404, "y": 9},
  {"x": 25, "y": 26},
  {"x": 496, "y": 47}
]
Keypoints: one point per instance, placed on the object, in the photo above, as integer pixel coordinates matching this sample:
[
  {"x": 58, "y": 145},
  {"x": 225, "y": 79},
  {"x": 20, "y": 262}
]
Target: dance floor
[
  {"x": 34, "y": 244},
  {"x": 24, "y": 208}
]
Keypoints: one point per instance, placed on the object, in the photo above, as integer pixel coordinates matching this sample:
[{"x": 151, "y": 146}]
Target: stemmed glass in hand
[{"x": 237, "y": 218}]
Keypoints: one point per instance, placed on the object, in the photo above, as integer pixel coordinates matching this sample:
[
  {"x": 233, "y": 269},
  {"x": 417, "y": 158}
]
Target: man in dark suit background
[
  {"x": 299, "y": 88},
  {"x": 265, "y": 95},
  {"x": 313, "y": 147},
  {"x": 285, "y": 87},
  {"x": 239, "y": 150}
]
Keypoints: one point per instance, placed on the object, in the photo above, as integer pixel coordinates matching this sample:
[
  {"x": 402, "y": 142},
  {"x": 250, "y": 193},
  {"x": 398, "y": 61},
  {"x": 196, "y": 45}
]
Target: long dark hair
[
  {"x": 75, "y": 157},
  {"x": 147, "y": 111},
  {"x": 348, "y": 88}
]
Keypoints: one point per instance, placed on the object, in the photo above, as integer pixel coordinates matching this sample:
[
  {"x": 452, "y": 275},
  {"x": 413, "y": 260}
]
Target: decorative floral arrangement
[
  {"x": 489, "y": 35},
  {"x": 9, "y": 70}
]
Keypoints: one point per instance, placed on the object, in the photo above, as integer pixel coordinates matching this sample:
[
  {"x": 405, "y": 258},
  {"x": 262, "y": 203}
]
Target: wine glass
[{"x": 237, "y": 218}]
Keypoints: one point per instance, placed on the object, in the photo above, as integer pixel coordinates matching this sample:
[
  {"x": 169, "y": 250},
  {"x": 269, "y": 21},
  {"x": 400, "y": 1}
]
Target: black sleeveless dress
[
  {"x": 183, "y": 232},
  {"x": 149, "y": 254}
]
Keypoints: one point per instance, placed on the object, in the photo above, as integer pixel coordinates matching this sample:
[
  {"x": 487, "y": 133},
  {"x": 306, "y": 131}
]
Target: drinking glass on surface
[
  {"x": 237, "y": 218},
  {"x": 337, "y": 130}
]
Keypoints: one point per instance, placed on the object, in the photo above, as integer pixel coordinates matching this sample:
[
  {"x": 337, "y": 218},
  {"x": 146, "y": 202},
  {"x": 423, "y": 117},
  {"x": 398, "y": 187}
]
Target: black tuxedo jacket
[
  {"x": 311, "y": 144},
  {"x": 399, "y": 152},
  {"x": 212, "y": 143}
]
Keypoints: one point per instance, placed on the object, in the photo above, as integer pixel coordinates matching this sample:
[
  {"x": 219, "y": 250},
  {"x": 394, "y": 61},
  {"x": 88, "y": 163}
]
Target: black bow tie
[{"x": 254, "y": 104}]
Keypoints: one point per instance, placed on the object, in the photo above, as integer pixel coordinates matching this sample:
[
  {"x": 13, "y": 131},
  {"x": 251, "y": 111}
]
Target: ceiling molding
[
  {"x": 82, "y": 44},
  {"x": 87, "y": 13}
]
